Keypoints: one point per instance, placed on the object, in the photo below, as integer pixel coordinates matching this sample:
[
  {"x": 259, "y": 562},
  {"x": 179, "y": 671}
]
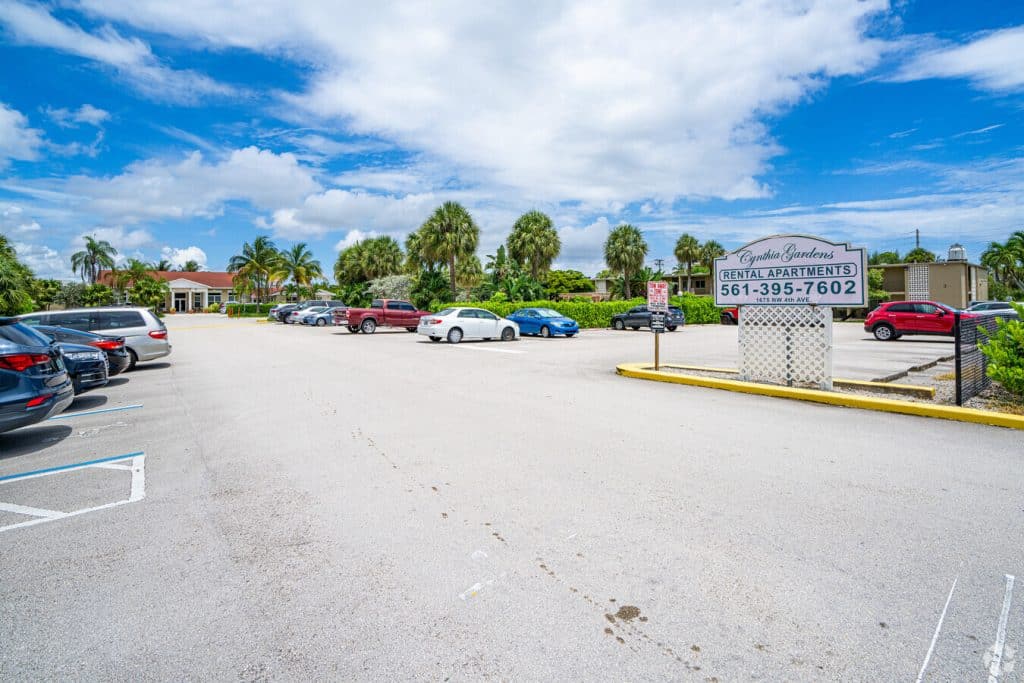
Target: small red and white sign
[{"x": 657, "y": 296}]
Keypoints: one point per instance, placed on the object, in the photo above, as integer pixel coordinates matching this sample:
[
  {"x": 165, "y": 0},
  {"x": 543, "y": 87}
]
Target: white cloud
[
  {"x": 191, "y": 187},
  {"x": 352, "y": 237},
  {"x": 992, "y": 61},
  {"x": 178, "y": 257},
  {"x": 17, "y": 140},
  {"x": 14, "y": 221},
  {"x": 44, "y": 261},
  {"x": 344, "y": 210},
  {"x": 583, "y": 247},
  {"x": 88, "y": 114},
  {"x": 620, "y": 101},
  {"x": 121, "y": 239},
  {"x": 130, "y": 58}
]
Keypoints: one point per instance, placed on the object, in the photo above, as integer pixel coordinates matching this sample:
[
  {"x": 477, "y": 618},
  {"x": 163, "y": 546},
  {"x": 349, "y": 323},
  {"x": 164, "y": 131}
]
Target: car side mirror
[{"x": 941, "y": 313}]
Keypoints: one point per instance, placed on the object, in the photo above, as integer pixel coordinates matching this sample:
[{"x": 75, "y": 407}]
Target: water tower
[{"x": 957, "y": 253}]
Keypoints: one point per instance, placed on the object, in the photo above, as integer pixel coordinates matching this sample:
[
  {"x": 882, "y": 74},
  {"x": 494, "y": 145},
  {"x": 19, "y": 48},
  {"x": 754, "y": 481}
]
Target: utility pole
[
  {"x": 917, "y": 238},
  {"x": 659, "y": 262}
]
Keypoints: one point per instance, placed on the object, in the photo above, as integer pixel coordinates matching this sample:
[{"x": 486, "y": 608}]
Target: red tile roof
[{"x": 211, "y": 279}]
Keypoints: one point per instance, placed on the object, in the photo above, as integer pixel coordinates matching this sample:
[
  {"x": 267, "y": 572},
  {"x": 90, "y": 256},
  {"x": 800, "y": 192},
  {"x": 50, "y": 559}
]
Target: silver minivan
[{"x": 145, "y": 335}]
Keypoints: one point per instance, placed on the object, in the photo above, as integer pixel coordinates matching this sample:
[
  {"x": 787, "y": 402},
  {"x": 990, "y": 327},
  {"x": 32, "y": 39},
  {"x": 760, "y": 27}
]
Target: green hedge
[
  {"x": 698, "y": 309},
  {"x": 249, "y": 310}
]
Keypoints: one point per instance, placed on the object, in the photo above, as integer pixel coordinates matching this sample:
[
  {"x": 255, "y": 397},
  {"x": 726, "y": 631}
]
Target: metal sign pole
[{"x": 657, "y": 337}]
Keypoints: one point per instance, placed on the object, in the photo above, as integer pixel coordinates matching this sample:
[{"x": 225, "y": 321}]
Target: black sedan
[
  {"x": 33, "y": 382},
  {"x": 118, "y": 357}
]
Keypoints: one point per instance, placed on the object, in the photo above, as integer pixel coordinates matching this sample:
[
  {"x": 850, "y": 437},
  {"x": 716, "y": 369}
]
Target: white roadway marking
[
  {"x": 483, "y": 348},
  {"x": 138, "y": 492},
  {"x": 997, "y": 649},
  {"x": 938, "y": 628}
]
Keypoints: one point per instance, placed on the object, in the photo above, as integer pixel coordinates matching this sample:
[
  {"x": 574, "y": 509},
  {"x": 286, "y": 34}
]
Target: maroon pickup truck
[{"x": 381, "y": 313}]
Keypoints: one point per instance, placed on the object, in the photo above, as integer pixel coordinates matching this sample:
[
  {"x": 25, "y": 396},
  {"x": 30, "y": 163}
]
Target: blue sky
[{"x": 181, "y": 130}]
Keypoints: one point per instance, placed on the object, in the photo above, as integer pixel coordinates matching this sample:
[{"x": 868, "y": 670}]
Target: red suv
[{"x": 893, "y": 319}]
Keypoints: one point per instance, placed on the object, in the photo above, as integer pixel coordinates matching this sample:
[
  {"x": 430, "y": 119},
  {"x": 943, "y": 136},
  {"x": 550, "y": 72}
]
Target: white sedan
[{"x": 456, "y": 324}]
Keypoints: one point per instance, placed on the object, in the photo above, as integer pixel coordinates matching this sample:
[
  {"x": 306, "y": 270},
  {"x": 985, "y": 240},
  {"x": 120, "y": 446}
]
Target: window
[
  {"x": 213, "y": 297},
  {"x": 927, "y": 309},
  {"x": 901, "y": 308},
  {"x": 231, "y": 296},
  {"x": 33, "y": 320},
  {"x": 698, "y": 284},
  {"x": 114, "y": 320},
  {"x": 377, "y": 303},
  {"x": 468, "y": 313},
  {"x": 76, "y": 320},
  {"x": 486, "y": 315},
  {"x": 393, "y": 306},
  {"x": 23, "y": 335}
]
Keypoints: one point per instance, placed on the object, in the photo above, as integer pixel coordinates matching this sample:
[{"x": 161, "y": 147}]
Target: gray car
[{"x": 145, "y": 334}]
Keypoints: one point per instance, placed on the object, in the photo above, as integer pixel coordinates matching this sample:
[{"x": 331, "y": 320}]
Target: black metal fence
[{"x": 971, "y": 364}]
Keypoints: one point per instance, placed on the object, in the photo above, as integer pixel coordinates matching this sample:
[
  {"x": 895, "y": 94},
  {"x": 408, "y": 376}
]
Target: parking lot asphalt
[{"x": 322, "y": 505}]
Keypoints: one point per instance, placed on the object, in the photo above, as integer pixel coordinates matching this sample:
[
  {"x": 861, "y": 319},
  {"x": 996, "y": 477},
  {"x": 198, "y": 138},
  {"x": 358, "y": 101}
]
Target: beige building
[{"x": 954, "y": 283}]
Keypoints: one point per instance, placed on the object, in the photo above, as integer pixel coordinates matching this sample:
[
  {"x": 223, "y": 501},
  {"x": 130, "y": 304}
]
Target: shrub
[
  {"x": 249, "y": 310},
  {"x": 213, "y": 308},
  {"x": 699, "y": 310},
  {"x": 1005, "y": 352}
]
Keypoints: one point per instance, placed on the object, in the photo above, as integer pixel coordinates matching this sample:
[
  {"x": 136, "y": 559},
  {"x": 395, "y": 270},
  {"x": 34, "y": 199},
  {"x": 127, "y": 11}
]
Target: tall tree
[
  {"x": 919, "y": 255},
  {"x": 191, "y": 266},
  {"x": 624, "y": 251},
  {"x": 449, "y": 235},
  {"x": 382, "y": 256},
  {"x": 298, "y": 265},
  {"x": 134, "y": 271},
  {"x": 15, "y": 282},
  {"x": 348, "y": 269},
  {"x": 163, "y": 265},
  {"x": 534, "y": 242},
  {"x": 687, "y": 251},
  {"x": 257, "y": 264},
  {"x": 709, "y": 251},
  {"x": 878, "y": 258},
  {"x": 96, "y": 255}
]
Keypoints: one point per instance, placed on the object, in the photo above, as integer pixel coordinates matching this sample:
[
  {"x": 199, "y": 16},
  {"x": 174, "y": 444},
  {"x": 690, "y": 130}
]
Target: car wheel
[
  {"x": 410, "y": 329},
  {"x": 544, "y": 331},
  {"x": 369, "y": 326},
  {"x": 454, "y": 335},
  {"x": 671, "y": 328},
  {"x": 353, "y": 329},
  {"x": 618, "y": 324},
  {"x": 435, "y": 339},
  {"x": 570, "y": 334},
  {"x": 508, "y": 334},
  {"x": 134, "y": 359},
  {"x": 320, "y": 322},
  {"x": 884, "y": 333},
  {"x": 726, "y": 319},
  {"x": 634, "y": 327}
]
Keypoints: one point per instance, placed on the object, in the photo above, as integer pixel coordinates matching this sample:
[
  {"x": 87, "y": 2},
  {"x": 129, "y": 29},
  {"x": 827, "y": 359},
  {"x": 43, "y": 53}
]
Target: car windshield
[
  {"x": 548, "y": 313},
  {"x": 23, "y": 335}
]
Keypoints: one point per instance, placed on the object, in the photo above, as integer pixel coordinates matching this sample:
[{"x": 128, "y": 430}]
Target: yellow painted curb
[
  {"x": 885, "y": 387},
  {"x": 887, "y": 405}
]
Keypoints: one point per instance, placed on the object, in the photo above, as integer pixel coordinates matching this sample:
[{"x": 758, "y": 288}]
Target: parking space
[{"x": 279, "y": 502}]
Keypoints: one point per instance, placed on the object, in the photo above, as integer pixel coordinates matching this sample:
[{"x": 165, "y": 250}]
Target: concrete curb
[
  {"x": 873, "y": 385},
  {"x": 887, "y": 405}
]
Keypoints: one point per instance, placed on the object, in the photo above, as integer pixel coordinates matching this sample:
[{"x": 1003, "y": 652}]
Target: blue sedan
[{"x": 544, "y": 321}]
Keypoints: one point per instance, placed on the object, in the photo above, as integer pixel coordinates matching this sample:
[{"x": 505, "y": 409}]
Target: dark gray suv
[{"x": 639, "y": 316}]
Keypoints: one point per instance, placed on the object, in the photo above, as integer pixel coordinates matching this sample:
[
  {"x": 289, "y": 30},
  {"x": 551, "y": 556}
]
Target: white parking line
[
  {"x": 938, "y": 628},
  {"x": 138, "y": 491},
  {"x": 997, "y": 649}
]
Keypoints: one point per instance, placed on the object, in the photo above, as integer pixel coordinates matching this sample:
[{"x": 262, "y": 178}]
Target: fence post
[{"x": 958, "y": 371}]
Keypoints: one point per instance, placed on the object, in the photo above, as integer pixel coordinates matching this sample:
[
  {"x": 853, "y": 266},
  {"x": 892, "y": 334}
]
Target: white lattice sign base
[{"x": 790, "y": 345}]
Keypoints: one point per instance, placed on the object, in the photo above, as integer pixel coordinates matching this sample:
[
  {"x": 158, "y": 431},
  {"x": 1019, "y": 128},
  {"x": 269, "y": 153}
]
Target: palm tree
[
  {"x": 382, "y": 256},
  {"x": 97, "y": 254},
  {"x": 534, "y": 242},
  {"x": 624, "y": 251},
  {"x": 257, "y": 264},
  {"x": 1001, "y": 260},
  {"x": 449, "y": 235},
  {"x": 191, "y": 267},
  {"x": 348, "y": 269},
  {"x": 135, "y": 271},
  {"x": 709, "y": 251},
  {"x": 163, "y": 265},
  {"x": 687, "y": 251},
  {"x": 298, "y": 264}
]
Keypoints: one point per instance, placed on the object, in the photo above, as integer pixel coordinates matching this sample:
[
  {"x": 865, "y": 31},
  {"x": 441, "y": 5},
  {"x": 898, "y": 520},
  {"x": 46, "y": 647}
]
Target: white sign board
[
  {"x": 792, "y": 270},
  {"x": 657, "y": 296}
]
